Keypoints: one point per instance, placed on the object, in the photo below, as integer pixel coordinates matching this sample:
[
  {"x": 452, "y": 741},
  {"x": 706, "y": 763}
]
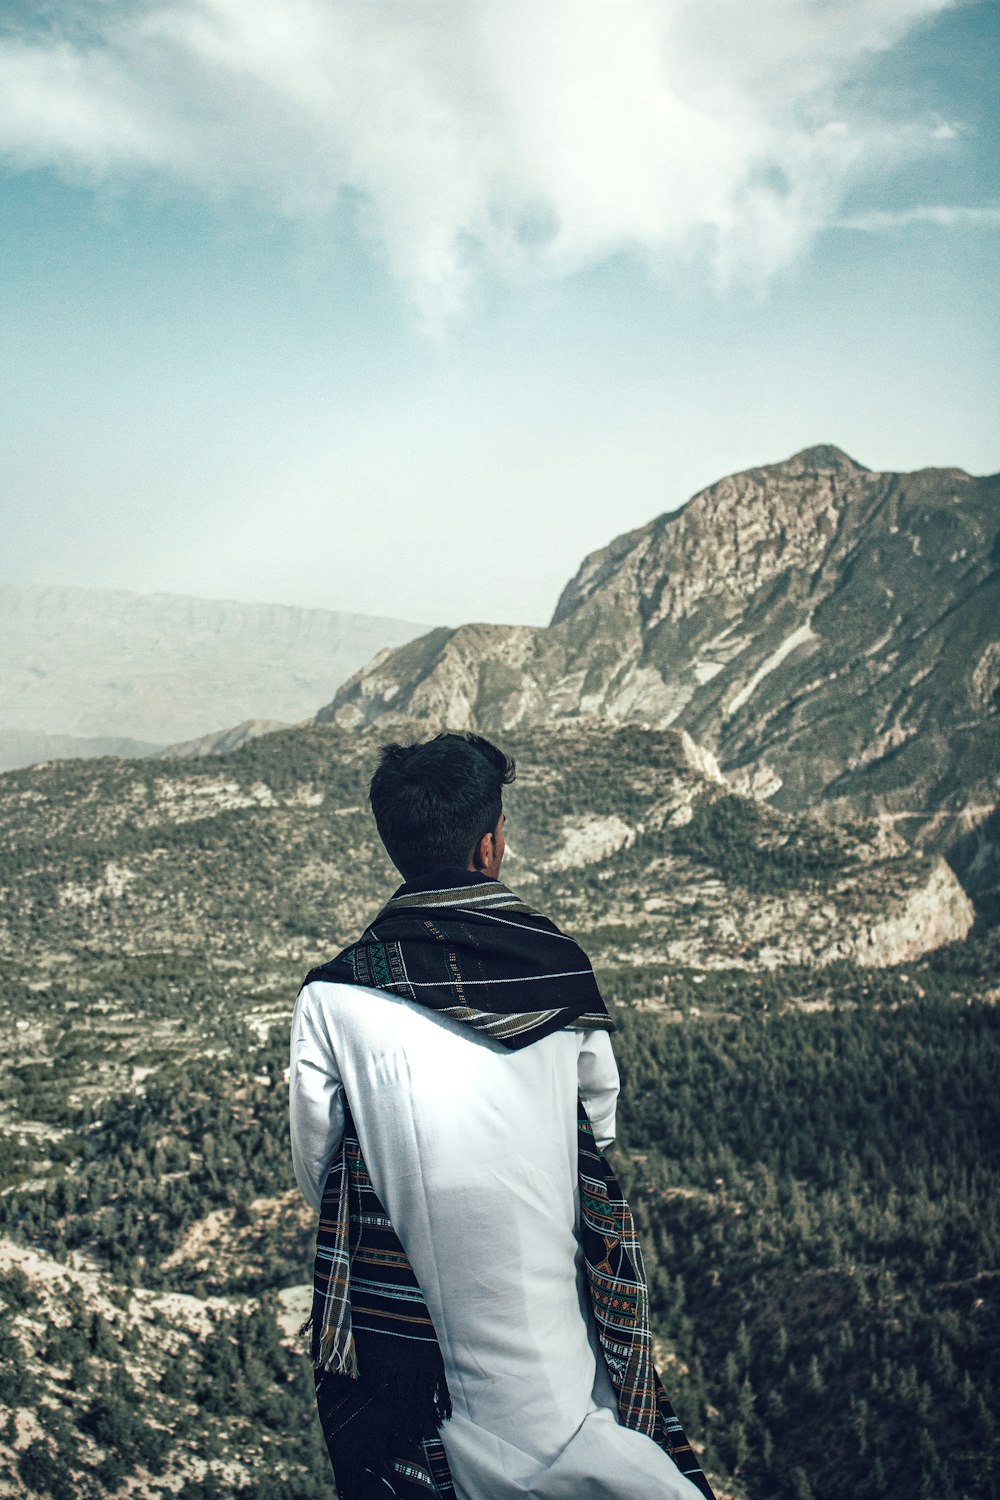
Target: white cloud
[
  {"x": 946, "y": 215},
  {"x": 520, "y": 136}
]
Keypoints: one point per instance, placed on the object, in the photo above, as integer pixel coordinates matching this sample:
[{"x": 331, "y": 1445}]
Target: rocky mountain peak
[
  {"x": 826, "y": 630},
  {"x": 732, "y": 536},
  {"x": 819, "y": 459},
  {"x": 729, "y": 539}
]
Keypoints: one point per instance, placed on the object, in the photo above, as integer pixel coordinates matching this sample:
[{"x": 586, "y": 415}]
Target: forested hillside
[
  {"x": 808, "y": 1124},
  {"x": 811, "y": 1157},
  {"x": 629, "y": 837}
]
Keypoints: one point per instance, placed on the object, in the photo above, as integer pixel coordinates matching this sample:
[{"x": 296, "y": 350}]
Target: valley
[{"x": 787, "y": 994}]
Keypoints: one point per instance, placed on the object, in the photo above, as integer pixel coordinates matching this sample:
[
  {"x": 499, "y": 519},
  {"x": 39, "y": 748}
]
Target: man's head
[{"x": 438, "y": 805}]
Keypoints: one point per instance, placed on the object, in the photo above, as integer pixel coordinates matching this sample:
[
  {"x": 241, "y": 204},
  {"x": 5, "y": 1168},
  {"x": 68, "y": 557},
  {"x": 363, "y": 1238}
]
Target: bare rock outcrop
[
  {"x": 827, "y": 631},
  {"x": 932, "y": 914}
]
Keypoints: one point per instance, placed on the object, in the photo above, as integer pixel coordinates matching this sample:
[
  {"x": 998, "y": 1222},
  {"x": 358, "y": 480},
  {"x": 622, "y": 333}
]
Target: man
[{"x": 480, "y": 1318}]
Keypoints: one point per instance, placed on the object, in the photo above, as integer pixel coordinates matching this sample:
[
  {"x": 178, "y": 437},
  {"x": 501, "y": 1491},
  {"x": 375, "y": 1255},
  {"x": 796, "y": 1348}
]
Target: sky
[{"x": 405, "y": 308}]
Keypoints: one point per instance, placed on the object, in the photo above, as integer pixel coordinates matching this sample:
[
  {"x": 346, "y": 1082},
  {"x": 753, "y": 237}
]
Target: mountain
[
  {"x": 86, "y": 671},
  {"x": 21, "y": 747},
  {"x": 630, "y": 837},
  {"x": 223, "y": 741},
  {"x": 828, "y": 631}
]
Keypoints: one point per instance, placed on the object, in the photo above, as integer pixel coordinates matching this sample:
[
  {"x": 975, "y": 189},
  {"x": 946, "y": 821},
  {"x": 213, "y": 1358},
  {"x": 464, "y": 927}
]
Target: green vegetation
[
  {"x": 811, "y": 1156},
  {"x": 157, "y": 1162},
  {"x": 269, "y": 851},
  {"x": 731, "y": 836},
  {"x": 820, "y": 1200},
  {"x": 100, "y": 1427}
]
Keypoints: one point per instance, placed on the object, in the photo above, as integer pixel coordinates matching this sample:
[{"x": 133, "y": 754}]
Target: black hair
[{"x": 435, "y": 800}]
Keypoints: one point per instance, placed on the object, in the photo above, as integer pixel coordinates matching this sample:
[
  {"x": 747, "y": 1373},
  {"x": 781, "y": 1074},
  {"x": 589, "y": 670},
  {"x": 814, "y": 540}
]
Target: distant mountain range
[
  {"x": 88, "y": 672},
  {"x": 828, "y": 631}
]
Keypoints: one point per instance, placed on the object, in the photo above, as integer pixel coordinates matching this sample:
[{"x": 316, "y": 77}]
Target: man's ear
[{"x": 483, "y": 852}]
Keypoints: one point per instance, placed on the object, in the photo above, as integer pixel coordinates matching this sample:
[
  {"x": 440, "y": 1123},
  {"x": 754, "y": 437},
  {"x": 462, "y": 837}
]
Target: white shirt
[{"x": 472, "y": 1149}]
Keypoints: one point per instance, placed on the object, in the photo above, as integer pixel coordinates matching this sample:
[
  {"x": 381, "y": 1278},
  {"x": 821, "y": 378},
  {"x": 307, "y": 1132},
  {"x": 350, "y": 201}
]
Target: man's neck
[{"x": 444, "y": 879}]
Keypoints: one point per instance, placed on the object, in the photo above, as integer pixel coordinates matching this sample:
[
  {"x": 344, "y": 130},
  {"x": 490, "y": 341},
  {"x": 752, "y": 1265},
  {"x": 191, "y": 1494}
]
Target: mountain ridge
[
  {"x": 822, "y": 457},
  {"x": 826, "y": 629}
]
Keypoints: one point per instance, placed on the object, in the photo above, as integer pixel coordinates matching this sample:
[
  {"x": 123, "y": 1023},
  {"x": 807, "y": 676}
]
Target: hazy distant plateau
[{"x": 102, "y": 671}]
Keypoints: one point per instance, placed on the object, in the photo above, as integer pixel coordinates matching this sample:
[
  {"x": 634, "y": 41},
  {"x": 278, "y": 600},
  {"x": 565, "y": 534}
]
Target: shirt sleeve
[
  {"x": 315, "y": 1099},
  {"x": 598, "y": 1080}
]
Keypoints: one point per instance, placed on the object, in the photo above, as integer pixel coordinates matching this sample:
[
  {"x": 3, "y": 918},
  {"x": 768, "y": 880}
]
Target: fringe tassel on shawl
[{"x": 331, "y": 1359}]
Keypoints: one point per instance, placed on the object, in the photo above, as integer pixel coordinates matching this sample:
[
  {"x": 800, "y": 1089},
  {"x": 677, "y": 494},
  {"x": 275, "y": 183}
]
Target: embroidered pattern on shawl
[
  {"x": 619, "y": 1296},
  {"x": 380, "y": 1380},
  {"x": 371, "y": 1328}
]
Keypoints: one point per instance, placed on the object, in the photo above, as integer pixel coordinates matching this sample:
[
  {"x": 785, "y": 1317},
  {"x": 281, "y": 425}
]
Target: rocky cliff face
[{"x": 828, "y": 631}]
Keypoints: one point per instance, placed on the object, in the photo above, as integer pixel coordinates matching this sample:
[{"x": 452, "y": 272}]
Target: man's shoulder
[{"x": 324, "y": 989}]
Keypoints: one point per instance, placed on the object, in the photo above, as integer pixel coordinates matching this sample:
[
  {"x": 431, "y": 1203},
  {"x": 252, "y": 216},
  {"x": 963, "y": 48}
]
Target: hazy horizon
[
  {"x": 405, "y": 312},
  {"x": 42, "y": 583}
]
